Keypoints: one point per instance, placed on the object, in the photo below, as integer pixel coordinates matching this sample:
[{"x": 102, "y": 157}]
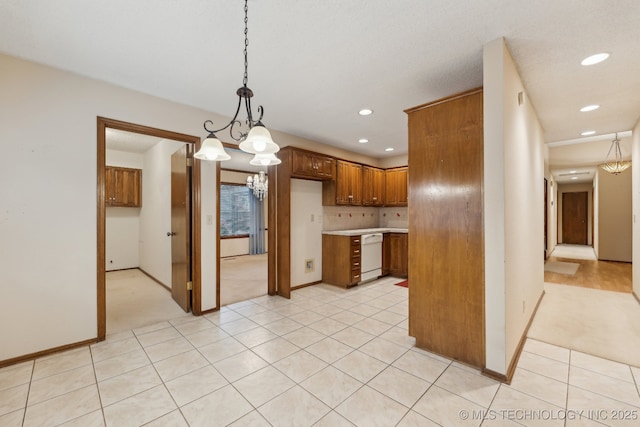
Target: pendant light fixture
[
  {"x": 613, "y": 163},
  {"x": 256, "y": 139}
]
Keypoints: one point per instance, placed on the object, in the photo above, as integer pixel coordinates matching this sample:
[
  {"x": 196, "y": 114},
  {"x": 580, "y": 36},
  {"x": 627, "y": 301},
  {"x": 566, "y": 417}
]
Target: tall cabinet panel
[{"x": 446, "y": 248}]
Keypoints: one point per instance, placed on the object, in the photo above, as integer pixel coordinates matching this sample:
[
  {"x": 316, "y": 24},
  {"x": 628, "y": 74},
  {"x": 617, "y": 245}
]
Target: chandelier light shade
[
  {"x": 212, "y": 149},
  {"x": 265, "y": 160},
  {"x": 613, "y": 163},
  {"x": 253, "y": 136},
  {"x": 259, "y": 141},
  {"x": 259, "y": 184}
]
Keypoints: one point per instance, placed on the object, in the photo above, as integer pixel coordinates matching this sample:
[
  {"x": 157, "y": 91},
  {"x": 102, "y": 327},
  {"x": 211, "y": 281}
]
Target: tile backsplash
[
  {"x": 354, "y": 217},
  {"x": 349, "y": 217},
  {"x": 394, "y": 217}
]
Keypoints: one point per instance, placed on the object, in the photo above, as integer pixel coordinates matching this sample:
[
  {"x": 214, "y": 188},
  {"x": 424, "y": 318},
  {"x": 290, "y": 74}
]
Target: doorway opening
[
  {"x": 176, "y": 228},
  {"x": 242, "y": 230}
]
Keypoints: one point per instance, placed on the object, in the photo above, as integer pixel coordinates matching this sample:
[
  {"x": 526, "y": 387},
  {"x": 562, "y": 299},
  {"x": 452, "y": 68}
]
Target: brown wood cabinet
[
  {"x": 346, "y": 189},
  {"x": 395, "y": 254},
  {"x": 446, "y": 285},
  {"x": 372, "y": 186},
  {"x": 341, "y": 260},
  {"x": 309, "y": 165},
  {"x": 396, "y": 186},
  {"x": 123, "y": 187}
]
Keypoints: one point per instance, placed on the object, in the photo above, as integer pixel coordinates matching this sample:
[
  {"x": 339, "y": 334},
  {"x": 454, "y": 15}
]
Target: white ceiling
[{"x": 314, "y": 64}]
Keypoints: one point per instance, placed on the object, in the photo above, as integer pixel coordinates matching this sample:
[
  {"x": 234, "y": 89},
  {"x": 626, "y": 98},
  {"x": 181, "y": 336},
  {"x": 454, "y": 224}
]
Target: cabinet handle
[
  {"x": 375, "y": 198},
  {"x": 351, "y": 196},
  {"x": 355, "y": 264},
  {"x": 356, "y": 241},
  {"x": 357, "y": 251},
  {"x": 357, "y": 276}
]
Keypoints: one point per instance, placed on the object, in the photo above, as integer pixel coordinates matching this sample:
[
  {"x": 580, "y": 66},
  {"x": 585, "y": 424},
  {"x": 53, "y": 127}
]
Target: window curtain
[{"x": 256, "y": 230}]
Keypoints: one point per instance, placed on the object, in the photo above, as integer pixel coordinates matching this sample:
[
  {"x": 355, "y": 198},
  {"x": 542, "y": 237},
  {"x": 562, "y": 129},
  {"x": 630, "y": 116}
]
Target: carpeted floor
[
  {"x": 242, "y": 278},
  {"x": 592, "y": 321},
  {"x": 135, "y": 300}
]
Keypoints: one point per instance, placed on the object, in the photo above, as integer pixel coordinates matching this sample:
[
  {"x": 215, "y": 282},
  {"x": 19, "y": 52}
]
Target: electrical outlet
[{"x": 309, "y": 265}]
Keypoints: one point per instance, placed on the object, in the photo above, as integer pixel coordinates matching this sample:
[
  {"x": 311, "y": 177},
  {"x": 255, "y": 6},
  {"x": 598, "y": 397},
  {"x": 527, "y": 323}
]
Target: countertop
[{"x": 361, "y": 231}]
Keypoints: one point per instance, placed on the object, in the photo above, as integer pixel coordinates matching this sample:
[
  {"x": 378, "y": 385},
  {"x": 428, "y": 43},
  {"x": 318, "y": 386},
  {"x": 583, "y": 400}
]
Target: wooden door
[
  {"x": 575, "y": 217},
  {"x": 180, "y": 229}
]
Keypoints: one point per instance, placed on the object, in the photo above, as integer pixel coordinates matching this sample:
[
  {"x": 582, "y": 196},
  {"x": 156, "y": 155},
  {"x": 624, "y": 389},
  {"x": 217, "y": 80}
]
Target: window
[{"x": 235, "y": 213}]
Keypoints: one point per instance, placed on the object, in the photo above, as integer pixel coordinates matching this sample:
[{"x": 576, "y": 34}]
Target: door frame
[{"x": 102, "y": 125}]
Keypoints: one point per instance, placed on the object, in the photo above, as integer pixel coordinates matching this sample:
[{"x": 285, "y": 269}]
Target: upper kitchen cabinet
[
  {"x": 123, "y": 187},
  {"x": 308, "y": 165},
  {"x": 396, "y": 183},
  {"x": 346, "y": 189},
  {"x": 372, "y": 186}
]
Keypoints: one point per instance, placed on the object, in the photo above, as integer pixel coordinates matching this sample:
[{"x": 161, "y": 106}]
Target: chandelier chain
[{"x": 246, "y": 42}]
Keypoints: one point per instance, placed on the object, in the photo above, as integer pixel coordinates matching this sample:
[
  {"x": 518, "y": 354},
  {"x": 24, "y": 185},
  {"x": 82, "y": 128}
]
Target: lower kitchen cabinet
[
  {"x": 341, "y": 260},
  {"x": 395, "y": 254}
]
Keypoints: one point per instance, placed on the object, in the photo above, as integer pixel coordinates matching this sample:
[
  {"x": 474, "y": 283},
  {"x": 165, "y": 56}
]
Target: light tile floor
[{"x": 327, "y": 357}]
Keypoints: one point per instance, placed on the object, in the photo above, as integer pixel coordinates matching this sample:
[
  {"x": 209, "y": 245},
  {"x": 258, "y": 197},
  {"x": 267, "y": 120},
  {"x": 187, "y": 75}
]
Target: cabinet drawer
[{"x": 355, "y": 276}]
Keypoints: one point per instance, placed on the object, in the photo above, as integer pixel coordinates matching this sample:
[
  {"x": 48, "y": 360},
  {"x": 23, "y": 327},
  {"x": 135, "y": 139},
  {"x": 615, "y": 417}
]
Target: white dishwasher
[{"x": 371, "y": 256}]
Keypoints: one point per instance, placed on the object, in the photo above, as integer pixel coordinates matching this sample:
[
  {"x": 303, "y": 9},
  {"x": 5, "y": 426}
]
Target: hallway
[{"x": 591, "y": 273}]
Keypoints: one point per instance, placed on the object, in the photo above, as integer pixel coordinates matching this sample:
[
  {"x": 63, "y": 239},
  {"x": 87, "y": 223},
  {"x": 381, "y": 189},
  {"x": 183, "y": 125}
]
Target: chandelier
[
  {"x": 259, "y": 184},
  {"x": 255, "y": 138},
  {"x": 613, "y": 163}
]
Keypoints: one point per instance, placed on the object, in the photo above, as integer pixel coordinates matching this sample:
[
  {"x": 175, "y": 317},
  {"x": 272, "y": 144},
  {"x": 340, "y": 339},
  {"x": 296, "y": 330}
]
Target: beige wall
[
  {"x": 572, "y": 188},
  {"x": 615, "y": 225},
  {"x": 513, "y": 207},
  {"x": 48, "y": 178}
]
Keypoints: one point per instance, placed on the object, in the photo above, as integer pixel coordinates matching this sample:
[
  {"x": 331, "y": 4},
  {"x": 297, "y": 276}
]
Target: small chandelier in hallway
[
  {"x": 259, "y": 183},
  {"x": 613, "y": 163}
]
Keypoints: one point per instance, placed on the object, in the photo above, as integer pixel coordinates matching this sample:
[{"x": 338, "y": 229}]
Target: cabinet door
[
  {"x": 302, "y": 163},
  {"x": 403, "y": 183},
  {"x": 130, "y": 187},
  {"x": 355, "y": 183},
  {"x": 398, "y": 251},
  {"x": 396, "y": 186},
  {"x": 372, "y": 186},
  {"x": 343, "y": 183},
  {"x": 324, "y": 167},
  {"x": 110, "y": 186}
]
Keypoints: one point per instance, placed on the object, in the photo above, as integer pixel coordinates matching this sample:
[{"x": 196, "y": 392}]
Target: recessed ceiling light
[
  {"x": 363, "y": 140},
  {"x": 365, "y": 112},
  {"x": 574, "y": 177},
  {"x": 589, "y": 108},
  {"x": 589, "y": 132},
  {"x": 389, "y": 149},
  {"x": 573, "y": 171},
  {"x": 594, "y": 59}
]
